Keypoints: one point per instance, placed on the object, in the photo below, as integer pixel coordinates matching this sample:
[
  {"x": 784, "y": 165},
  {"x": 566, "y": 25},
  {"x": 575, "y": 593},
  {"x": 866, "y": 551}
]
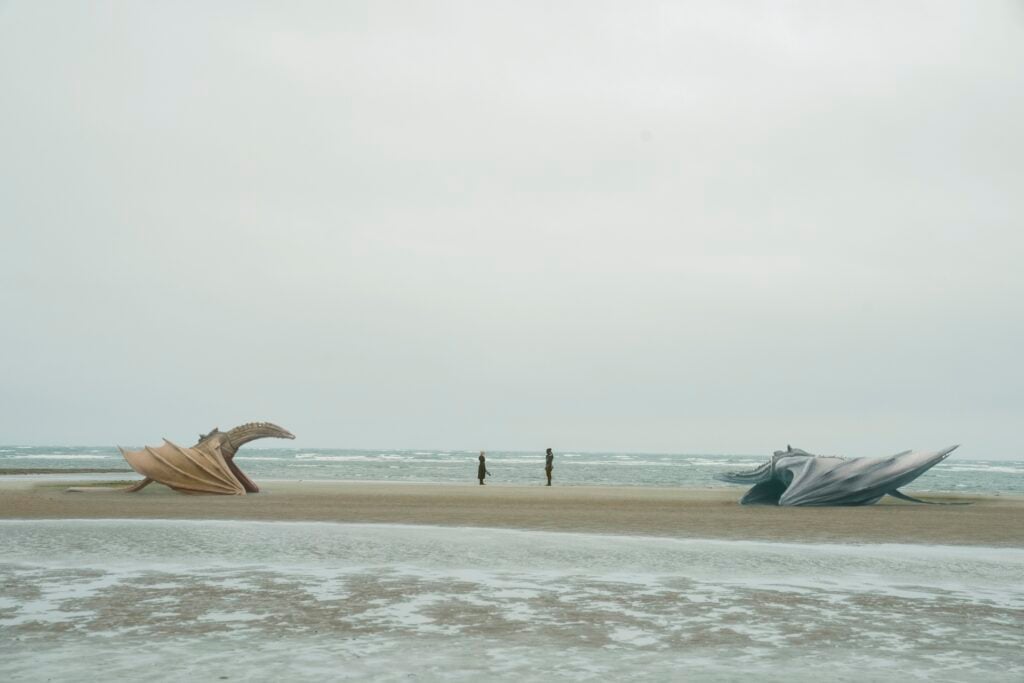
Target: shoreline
[
  {"x": 704, "y": 513},
  {"x": 70, "y": 476}
]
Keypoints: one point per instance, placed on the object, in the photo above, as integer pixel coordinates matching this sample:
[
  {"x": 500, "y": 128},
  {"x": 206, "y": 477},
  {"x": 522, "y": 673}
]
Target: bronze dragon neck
[
  {"x": 229, "y": 442},
  {"x": 233, "y": 439}
]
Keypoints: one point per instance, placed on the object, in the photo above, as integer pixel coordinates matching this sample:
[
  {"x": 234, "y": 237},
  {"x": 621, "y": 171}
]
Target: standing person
[
  {"x": 481, "y": 470},
  {"x": 549, "y": 464}
]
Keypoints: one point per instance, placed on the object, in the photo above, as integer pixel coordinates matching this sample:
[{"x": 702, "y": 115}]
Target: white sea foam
[
  {"x": 59, "y": 456},
  {"x": 984, "y": 468},
  {"x": 380, "y": 457},
  {"x": 386, "y": 601}
]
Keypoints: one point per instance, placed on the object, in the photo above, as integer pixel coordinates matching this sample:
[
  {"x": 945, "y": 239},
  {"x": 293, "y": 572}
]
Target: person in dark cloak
[
  {"x": 481, "y": 470},
  {"x": 549, "y": 464}
]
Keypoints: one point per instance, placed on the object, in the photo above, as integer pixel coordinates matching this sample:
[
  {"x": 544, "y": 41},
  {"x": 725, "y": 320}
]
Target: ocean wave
[
  {"x": 984, "y": 468},
  {"x": 57, "y": 456},
  {"x": 313, "y": 457},
  {"x": 724, "y": 463},
  {"x": 635, "y": 463}
]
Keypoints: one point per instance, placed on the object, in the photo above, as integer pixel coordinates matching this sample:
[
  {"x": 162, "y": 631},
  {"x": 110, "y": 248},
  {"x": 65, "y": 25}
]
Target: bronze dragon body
[{"x": 207, "y": 467}]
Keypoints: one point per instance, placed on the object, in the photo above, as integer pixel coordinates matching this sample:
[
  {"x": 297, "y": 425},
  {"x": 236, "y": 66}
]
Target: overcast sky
[{"x": 712, "y": 227}]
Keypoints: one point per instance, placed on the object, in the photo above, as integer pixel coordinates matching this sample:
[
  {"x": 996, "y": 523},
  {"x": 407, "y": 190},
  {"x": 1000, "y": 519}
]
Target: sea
[
  {"x": 959, "y": 475},
  {"x": 220, "y": 600}
]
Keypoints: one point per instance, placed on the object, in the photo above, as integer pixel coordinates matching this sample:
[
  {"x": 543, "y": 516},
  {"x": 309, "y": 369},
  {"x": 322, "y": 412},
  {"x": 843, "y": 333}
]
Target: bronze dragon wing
[{"x": 186, "y": 470}]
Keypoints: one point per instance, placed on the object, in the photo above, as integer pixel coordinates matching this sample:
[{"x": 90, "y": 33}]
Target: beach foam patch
[{"x": 393, "y": 600}]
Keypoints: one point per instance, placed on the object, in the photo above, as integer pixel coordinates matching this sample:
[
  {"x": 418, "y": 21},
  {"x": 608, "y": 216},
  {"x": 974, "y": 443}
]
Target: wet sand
[{"x": 681, "y": 513}]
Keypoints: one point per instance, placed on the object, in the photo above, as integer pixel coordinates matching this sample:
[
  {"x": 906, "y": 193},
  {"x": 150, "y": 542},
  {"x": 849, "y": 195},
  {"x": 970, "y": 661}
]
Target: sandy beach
[{"x": 680, "y": 513}]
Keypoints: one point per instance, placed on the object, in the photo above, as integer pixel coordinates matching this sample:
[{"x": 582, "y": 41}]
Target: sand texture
[{"x": 683, "y": 513}]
